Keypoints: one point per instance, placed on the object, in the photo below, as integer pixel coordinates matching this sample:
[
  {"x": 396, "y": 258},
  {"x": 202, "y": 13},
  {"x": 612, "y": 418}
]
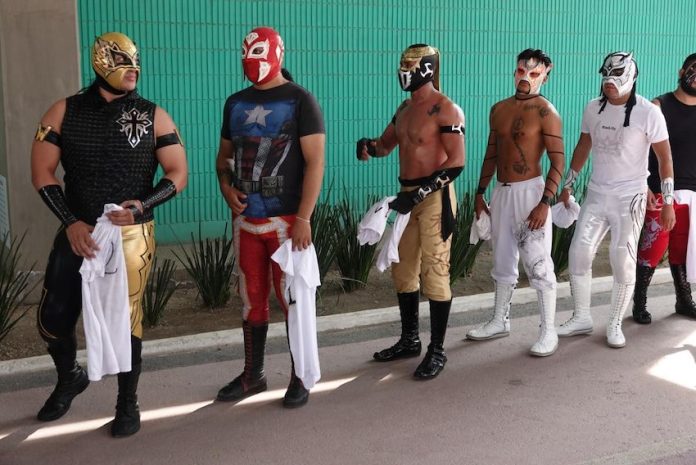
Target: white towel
[
  {"x": 301, "y": 281},
  {"x": 105, "y": 307},
  {"x": 564, "y": 217},
  {"x": 372, "y": 225},
  {"x": 390, "y": 249},
  {"x": 480, "y": 229}
]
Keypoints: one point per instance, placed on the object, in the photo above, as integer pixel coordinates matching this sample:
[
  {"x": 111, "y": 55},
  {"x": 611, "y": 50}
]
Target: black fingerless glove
[{"x": 365, "y": 142}]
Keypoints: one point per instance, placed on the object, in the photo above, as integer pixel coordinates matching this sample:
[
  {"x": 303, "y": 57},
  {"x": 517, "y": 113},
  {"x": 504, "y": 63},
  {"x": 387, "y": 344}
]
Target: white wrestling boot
[
  {"x": 620, "y": 296},
  {"x": 548, "y": 339},
  {"x": 581, "y": 321},
  {"x": 499, "y": 324}
]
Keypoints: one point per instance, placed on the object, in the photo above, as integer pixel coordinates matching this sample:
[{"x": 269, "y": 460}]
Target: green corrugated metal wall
[{"x": 346, "y": 53}]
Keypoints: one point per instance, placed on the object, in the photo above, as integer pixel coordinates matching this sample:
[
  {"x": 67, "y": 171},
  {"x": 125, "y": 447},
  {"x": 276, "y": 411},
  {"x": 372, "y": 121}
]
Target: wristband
[
  {"x": 668, "y": 191},
  {"x": 53, "y": 196}
]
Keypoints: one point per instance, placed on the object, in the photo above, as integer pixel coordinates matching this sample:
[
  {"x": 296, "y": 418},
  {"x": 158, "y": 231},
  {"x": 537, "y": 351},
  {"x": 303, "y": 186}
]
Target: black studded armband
[{"x": 53, "y": 196}]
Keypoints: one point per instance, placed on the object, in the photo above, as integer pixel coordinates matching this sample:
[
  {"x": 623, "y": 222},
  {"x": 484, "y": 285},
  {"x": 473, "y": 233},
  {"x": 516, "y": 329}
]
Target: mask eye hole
[
  {"x": 408, "y": 65},
  {"x": 121, "y": 59},
  {"x": 616, "y": 72},
  {"x": 259, "y": 50},
  {"x": 534, "y": 74}
]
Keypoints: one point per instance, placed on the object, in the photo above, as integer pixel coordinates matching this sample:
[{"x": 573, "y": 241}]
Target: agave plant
[
  {"x": 160, "y": 288},
  {"x": 210, "y": 264},
  {"x": 463, "y": 254},
  {"x": 14, "y": 284},
  {"x": 324, "y": 227},
  {"x": 354, "y": 261}
]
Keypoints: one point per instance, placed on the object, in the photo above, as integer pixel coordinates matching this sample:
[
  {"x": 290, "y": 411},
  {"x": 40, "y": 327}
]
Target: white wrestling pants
[
  {"x": 623, "y": 215},
  {"x": 511, "y": 237}
]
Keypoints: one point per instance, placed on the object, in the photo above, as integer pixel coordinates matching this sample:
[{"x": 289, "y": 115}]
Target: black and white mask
[
  {"x": 418, "y": 66},
  {"x": 619, "y": 69}
]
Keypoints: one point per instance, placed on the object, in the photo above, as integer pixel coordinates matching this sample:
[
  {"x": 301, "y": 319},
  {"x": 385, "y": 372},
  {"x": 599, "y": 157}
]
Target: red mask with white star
[{"x": 262, "y": 54}]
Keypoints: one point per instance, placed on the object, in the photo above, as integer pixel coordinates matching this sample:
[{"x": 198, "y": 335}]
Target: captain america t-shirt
[{"x": 265, "y": 127}]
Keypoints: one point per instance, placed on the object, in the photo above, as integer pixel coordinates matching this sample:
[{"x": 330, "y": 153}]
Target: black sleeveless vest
[
  {"x": 681, "y": 125},
  {"x": 108, "y": 152}
]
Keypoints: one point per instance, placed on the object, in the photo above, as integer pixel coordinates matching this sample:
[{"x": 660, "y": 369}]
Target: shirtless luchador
[
  {"x": 521, "y": 128},
  {"x": 429, "y": 130}
]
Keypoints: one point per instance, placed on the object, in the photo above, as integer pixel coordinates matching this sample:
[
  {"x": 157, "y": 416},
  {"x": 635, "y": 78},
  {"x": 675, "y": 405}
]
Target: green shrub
[
  {"x": 160, "y": 288},
  {"x": 210, "y": 263},
  {"x": 14, "y": 284},
  {"x": 463, "y": 254},
  {"x": 353, "y": 260},
  {"x": 324, "y": 232}
]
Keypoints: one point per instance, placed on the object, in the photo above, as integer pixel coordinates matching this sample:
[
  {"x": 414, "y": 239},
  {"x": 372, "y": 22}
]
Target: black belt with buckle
[{"x": 269, "y": 186}]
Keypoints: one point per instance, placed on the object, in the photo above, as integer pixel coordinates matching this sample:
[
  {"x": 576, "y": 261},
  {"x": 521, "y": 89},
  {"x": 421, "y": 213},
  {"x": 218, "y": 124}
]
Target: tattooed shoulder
[{"x": 434, "y": 110}]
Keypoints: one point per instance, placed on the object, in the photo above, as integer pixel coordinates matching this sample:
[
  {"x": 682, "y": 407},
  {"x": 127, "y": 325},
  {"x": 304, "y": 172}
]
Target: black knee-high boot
[
  {"x": 127, "y": 419},
  {"x": 253, "y": 379},
  {"x": 685, "y": 303},
  {"x": 644, "y": 275},
  {"x": 409, "y": 345},
  {"x": 296, "y": 395},
  {"x": 434, "y": 361},
  {"x": 72, "y": 379}
]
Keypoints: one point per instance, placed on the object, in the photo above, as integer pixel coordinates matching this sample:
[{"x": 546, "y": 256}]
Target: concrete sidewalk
[
  {"x": 218, "y": 339},
  {"x": 493, "y": 404}
]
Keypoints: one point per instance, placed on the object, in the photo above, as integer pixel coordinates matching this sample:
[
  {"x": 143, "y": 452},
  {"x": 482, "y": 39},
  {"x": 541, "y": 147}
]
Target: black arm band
[
  {"x": 545, "y": 199},
  {"x": 53, "y": 196},
  {"x": 168, "y": 139},
  {"x": 47, "y": 134},
  {"x": 480, "y": 190},
  {"x": 453, "y": 129},
  {"x": 164, "y": 190}
]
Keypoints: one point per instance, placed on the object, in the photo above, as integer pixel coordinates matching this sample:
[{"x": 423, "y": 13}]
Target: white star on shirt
[{"x": 257, "y": 115}]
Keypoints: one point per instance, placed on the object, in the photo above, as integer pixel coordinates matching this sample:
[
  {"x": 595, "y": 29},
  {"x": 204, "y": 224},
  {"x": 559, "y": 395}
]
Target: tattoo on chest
[
  {"x": 434, "y": 110},
  {"x": 519, "y": 166},
  {"x": 543, "y": 111}
]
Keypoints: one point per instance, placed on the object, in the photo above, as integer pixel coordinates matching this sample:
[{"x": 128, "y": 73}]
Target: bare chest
[{"x": 417, "y": 124}]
